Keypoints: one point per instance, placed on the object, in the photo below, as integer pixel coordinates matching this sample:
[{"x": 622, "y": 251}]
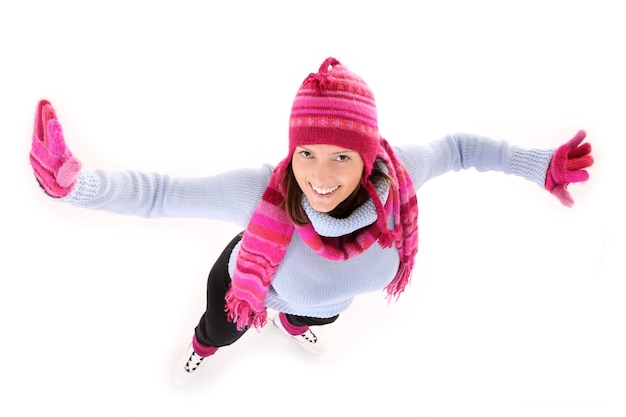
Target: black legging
[{"x": 214, "y": 329}]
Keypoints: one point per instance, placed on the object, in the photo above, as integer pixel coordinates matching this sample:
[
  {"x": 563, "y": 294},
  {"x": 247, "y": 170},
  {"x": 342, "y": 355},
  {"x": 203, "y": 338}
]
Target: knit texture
[
  {"x": 531, "y": 164},
  {"x": 335, "y": 107}
]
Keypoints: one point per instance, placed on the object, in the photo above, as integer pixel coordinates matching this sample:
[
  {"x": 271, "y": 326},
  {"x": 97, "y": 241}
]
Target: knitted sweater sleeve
[
  {"x": 463, "y": 151},
  {"x": 231, "y": 196}
]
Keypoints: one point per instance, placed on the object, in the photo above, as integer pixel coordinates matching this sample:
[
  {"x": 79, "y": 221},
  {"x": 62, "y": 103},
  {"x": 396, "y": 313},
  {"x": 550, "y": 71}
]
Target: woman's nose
[{"x": 320, "y": 172}]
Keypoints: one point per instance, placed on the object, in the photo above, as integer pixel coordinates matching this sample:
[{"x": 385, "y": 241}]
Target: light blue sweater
[{"x": 305, "y": 284}]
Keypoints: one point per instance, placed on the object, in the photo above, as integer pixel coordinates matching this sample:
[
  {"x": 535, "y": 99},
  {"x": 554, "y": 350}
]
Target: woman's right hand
[{"x": 55, "y": 168}]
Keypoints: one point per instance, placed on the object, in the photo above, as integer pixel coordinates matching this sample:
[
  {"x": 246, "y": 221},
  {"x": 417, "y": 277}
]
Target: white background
[{"x": 517, "y": 305}]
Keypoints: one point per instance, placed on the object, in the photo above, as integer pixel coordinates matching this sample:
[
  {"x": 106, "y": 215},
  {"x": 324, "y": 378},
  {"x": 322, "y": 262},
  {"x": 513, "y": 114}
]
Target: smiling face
[{"x": 326, "y": 174}]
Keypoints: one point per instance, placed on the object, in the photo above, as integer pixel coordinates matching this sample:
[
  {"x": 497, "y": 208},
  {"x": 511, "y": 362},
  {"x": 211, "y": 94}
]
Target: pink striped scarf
[{"x": 269, "y": 232}]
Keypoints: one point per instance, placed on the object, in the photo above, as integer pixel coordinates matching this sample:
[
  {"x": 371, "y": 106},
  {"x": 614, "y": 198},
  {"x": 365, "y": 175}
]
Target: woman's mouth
[{"x": 324, "y": 191}]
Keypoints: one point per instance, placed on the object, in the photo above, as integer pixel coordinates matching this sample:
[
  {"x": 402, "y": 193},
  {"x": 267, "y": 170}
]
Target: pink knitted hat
[{"x": 335, "y": 107}]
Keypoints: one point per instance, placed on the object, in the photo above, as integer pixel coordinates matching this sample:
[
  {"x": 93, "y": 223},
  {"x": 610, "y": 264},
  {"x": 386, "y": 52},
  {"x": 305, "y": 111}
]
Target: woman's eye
[
  {"x": 305, "y": 154},
  {"x": 342, "y": 158}
]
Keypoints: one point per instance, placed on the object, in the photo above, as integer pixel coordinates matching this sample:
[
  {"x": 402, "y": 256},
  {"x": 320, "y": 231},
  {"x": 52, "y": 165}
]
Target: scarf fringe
[
  {"x": 399, "y": 283},
  {"x": 240, "y": 312}
]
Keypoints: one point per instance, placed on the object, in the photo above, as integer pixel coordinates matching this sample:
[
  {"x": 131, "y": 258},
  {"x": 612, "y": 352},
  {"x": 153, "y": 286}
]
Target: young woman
[{"x": 336, "y": 218}]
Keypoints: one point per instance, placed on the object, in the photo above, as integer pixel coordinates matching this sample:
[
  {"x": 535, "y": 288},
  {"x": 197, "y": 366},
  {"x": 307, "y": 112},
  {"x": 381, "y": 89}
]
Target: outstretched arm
[
  {"x": 230, "y": 196},
  {"x": 549, "y": 168}
]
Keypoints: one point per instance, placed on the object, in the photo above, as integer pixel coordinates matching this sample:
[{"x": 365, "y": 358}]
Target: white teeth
[{"x": 323, "y": 191}]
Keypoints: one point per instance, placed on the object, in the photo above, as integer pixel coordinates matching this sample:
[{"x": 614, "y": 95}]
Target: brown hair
[{"x": 293, "y": 197}]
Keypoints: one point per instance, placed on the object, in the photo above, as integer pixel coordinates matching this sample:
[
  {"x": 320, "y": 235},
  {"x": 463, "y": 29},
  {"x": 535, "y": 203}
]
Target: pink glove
[
  {"x": 567, "y": 166},
  {"x": 55, "y": 168}
]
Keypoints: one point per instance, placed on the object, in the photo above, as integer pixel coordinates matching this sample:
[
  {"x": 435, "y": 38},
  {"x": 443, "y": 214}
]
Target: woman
[{"x": 336, "y": 218}]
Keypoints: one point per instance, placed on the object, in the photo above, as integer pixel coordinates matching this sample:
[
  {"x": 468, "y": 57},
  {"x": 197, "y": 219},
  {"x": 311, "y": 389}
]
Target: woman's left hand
[{"x": 567, "y": 166}]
